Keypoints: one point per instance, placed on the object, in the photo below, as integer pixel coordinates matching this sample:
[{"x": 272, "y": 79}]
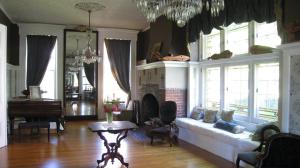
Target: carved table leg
[{"x": 112, "y": 148}]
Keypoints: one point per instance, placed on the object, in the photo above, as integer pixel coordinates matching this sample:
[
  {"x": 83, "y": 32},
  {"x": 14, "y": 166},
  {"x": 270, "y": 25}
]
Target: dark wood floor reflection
[
  {"x": 80, "y": 108},
  {"x": 77, "y": 147}
]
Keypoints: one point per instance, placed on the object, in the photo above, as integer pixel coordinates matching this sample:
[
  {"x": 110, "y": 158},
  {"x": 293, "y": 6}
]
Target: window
[
  {"x": 236, "y": 90},
  {"x": 212, "y": 88},
  {"x": 48, "y": 83},
  {"x": 111, "y": 88},
  {"x": 267, "y": 91},
  {"x": 237, "y": 38},
  {"x": 212, "y": 43},
  {"x": 266, "y": 34}
]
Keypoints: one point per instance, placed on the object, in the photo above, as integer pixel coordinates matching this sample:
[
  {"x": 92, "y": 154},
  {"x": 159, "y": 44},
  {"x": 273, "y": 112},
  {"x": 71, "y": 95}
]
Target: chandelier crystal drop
[
  {"x": 88, "y": 54},
  {"x": 180, "y": 11}
]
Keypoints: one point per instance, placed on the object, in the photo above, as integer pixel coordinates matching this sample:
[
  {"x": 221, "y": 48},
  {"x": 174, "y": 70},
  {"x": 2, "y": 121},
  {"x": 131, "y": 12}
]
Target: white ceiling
[{"x": 117, "y": 13}]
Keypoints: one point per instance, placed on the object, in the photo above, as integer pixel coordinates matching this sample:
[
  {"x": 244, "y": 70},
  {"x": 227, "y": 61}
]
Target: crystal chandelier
[
  {"x": 180, "y": 11},
  {"x": 88, "y": 54},
  {"x": 77, "y": 64}
]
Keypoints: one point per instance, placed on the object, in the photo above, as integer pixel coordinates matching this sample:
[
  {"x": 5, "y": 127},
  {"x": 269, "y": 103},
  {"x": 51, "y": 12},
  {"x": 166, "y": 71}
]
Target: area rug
[{"x": 139, "y": 134}]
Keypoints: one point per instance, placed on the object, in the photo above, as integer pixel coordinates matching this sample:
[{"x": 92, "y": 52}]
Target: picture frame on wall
[{"x": 35, "y": 92}]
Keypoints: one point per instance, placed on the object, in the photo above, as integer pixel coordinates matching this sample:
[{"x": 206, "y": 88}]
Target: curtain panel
[
  {"x": 118, "y": 52},
  {"x": 39, "y": 49},
  {"x": 236, "y": 11},
  {"x": 90, "y": 73}
]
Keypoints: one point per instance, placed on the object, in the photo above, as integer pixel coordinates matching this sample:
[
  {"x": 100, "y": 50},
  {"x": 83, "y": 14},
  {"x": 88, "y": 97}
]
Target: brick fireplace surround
[{"x": 165, "y": 80}]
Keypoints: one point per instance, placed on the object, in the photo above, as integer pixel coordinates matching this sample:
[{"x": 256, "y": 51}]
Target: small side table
[{"x": 116, "y": 127}]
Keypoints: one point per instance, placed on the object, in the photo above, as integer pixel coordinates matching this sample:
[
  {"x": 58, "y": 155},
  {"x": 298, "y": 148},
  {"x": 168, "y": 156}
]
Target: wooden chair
[{"x": 251, "y": 157}]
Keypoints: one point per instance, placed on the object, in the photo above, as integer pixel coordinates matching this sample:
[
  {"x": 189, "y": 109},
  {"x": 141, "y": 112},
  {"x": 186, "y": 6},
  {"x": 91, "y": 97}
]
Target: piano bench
[{"x": 35, "y": 124}]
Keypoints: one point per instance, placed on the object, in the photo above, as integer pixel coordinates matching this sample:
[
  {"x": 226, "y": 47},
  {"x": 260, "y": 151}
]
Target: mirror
[{"x": 80, "y": 79}]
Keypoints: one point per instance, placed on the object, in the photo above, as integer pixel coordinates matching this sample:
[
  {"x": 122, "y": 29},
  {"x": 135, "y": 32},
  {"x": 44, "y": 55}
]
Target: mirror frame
[{"x": 64, "y": 73}]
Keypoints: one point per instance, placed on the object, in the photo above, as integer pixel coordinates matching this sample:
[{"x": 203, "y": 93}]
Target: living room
[{"x": 231, "y": 68}]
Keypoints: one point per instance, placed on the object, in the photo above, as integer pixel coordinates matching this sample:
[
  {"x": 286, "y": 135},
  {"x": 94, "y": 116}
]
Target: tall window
[
  {"x": 212, "y": 43},
  {"x": 48, "y": 84},
  {"x": 266, "y": 34},
  {"x": 237, "y": 38},
  {"x": 212, "y": 88},
  {"x": 111, "y": 88},
  {"x": 236, "y": 90},
  {"x": 267, "y": 91}
]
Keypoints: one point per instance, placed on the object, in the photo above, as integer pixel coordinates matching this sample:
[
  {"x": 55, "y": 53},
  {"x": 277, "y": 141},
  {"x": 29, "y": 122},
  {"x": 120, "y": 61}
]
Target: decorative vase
[{"x": 109, "y": 117}]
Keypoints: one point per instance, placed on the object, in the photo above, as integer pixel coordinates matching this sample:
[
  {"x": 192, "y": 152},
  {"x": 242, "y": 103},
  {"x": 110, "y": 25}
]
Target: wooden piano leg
[{"x": 57, "y": 126}]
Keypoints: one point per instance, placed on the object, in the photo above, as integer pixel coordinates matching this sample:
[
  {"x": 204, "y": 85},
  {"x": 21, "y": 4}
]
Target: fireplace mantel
[{"x": 163, "y": 64}]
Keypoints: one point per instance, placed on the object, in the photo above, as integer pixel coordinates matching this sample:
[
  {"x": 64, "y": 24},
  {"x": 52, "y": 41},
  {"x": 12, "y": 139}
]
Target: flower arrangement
[{"x": 109, "y": 107}]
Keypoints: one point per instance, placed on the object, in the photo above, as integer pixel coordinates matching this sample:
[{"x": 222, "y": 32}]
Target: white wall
[
  {"x": 41, "y": 29},
  {"x": 116, "y": 34}
]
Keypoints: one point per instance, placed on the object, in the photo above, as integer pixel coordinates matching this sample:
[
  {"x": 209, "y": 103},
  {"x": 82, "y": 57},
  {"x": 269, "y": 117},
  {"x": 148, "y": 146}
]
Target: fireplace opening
[{"x": 150, "y": 107}]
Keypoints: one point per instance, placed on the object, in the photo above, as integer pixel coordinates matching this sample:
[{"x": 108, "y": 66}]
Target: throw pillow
[
  {"x": 227, "y": 115},
  {"x": 197, "y": 113},
  {"x": 229, "y": 126},
  {"x": 256, "y": 135},
  {"x": 210, "y": 116}
]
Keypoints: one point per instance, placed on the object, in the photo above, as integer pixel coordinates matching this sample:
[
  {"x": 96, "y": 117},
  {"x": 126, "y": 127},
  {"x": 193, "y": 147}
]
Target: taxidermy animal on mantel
[{"x": 224, "y": 54}]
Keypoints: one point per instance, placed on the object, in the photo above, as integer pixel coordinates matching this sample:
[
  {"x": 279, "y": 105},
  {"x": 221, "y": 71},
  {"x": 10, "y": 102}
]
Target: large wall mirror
[{"x": 80, "y": 79}]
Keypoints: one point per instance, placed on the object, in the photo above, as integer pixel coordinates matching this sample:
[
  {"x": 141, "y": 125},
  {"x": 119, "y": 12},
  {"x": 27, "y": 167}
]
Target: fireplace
[
  {"x": 150, "y": 107},
  {"x": 161, "y": 81}
]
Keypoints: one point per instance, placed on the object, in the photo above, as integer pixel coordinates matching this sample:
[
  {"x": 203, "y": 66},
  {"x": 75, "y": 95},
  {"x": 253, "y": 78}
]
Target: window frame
[
  {"x": 249, "y": 60},
  {"x": 252, "y": 26}
]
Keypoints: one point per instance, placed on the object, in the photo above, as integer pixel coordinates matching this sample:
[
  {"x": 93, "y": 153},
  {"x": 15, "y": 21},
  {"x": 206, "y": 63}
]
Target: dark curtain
[
  {"x": 39, "y": 50},
  {"x": 236, "y": 11},
  {"x": 118, "y": 52},
  {"x": 89, "y": 70}
]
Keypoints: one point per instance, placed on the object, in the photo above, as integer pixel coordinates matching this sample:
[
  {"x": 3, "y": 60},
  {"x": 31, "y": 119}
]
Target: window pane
[
  {"x": 212, "y": 88},
  {"x": 267, "y": 91},
  {"x": 212, "y": 43},
  {"x": 237, "y": 38},
  {"x": 111, "y": 88},
  {"x": 236, "y": 90},
  {"x": 267, "y": 35},
  {"x": 48, "y": 81}
]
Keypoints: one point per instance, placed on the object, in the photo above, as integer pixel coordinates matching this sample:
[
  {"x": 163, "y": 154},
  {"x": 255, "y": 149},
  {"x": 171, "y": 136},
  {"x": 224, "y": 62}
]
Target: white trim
[
  {"x": 3, "y": 90},
  {"x": 162, "y": 64},
  {"x": 288, "y": 50},
  {"x": 243, "y": 58}
]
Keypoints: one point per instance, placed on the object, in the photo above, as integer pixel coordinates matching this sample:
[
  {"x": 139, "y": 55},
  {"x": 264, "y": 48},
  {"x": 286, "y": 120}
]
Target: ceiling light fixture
[
  {"x": 180, "y": 11},
  {"x": 88, "y": 55}
]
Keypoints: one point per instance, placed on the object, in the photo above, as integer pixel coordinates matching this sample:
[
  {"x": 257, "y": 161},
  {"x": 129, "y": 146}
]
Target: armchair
[
  {"x": 282, "y": 151},
  {"x": 162, "y": 127},
  {"x": 251, "y": 157}
]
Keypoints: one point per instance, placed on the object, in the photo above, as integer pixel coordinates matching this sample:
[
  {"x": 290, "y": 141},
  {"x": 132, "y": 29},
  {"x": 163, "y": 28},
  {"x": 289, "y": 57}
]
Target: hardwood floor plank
[{"x": 78, "y": 147}]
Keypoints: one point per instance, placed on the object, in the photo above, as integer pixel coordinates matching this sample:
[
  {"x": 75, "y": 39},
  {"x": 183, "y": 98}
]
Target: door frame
[{"x": 3, "y": 98}]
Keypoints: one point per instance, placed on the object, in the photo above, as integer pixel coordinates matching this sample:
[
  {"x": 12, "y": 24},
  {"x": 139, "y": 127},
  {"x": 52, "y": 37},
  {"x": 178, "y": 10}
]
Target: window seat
[{"x": 219, "y": 142}]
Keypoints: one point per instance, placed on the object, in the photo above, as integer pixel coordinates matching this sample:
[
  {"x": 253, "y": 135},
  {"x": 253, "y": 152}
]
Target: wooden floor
[
  {"x": 77, "y": 147},
  {"x": 80, "y": 108}
]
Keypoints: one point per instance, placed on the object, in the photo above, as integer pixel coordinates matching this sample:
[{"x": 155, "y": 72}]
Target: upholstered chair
[{"x": 251, "y": 157}]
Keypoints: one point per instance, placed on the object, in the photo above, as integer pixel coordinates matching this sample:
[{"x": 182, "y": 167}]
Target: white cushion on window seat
[{"x": 240, "y": 142}]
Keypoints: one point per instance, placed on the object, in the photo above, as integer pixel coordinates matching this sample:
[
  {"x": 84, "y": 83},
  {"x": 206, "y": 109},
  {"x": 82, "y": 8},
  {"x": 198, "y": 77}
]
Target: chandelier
[
  {"x": 77, "y": 64},
  {"x": 180, "y": 11},
  {"x": 88, "y": 54}
]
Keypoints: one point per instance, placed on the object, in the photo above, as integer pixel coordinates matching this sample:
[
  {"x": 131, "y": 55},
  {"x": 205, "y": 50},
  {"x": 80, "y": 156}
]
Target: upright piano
[{"x": 36, "y": 109}]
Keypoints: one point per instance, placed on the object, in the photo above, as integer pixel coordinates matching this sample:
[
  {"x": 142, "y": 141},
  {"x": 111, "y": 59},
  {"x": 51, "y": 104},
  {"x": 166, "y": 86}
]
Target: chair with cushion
[
  {"x": 162, "y": 128},
  {"x": 251, "y": 157},
  {"x": 282, "y": 151}
]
